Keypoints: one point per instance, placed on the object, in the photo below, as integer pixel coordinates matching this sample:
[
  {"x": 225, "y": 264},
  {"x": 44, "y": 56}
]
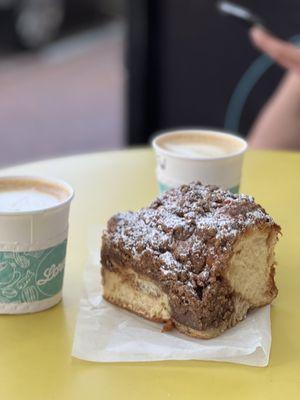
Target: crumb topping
[{"x": 184, "y": 240}]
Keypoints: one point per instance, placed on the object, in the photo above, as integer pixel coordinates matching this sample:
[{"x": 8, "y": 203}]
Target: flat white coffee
[
  {"x": 26, "y": 200},
  {"x": 199, "y": 144},
  {"x": 187, "y": 149},
  {"x": 23, "y": 195}
]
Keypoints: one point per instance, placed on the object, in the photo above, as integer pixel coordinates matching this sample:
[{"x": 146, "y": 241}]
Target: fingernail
[{"x": 256, "y": 33}]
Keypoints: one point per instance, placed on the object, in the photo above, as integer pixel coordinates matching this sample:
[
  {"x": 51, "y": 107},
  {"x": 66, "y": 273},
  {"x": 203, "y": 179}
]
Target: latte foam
[
  {"x": 200, "y": 144},
  {"x": 26, "y": 194}
]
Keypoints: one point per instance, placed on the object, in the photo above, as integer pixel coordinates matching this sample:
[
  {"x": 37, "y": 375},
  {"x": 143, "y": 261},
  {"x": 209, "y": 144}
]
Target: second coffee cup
[{"x": 211, "y": 157}]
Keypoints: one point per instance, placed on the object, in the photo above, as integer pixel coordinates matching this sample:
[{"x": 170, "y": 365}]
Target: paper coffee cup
[
  {"x": 34, "y": 214},
  {"x": 211, "y": 157}
]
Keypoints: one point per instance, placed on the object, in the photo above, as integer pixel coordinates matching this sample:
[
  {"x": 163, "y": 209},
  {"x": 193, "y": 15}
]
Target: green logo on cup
[{"x": 31, "y": 276}]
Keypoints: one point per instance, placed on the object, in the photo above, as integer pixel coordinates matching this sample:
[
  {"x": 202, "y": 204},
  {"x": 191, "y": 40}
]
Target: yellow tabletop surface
[{"x": 35, "y": 350}]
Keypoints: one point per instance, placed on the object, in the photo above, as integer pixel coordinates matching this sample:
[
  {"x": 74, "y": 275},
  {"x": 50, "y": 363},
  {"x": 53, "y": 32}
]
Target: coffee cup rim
[
  {"x": 159, "y": 149},
  {"x": 41, "y": 179}
]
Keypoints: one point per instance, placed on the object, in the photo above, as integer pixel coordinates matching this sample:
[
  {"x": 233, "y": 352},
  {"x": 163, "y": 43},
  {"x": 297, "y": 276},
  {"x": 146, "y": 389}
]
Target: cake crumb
[{"x": 168, "y": 326}]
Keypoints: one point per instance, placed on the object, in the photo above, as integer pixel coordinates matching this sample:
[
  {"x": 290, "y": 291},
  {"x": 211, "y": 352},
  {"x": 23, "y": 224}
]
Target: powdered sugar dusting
[
  {"x": 183, "y": 242},
  {"x": 186, "y": 231}
]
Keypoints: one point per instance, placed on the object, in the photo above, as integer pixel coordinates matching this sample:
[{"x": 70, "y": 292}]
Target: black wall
[{"x": 185, "y": 65}]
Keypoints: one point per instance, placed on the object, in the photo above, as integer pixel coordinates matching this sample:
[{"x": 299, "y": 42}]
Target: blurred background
[{"x": 88, "y": 75}]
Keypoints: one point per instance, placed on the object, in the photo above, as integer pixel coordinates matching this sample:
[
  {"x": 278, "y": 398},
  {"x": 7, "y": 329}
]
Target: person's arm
[{"x": 278, "y": 124}]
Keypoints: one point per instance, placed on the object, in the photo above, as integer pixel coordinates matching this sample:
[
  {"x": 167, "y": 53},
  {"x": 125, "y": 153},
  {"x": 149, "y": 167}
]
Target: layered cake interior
[{"x": 198, "y": 258}]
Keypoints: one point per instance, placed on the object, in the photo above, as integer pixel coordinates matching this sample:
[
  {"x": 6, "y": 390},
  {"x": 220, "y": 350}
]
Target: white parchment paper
[{"x": 105, "y": 333}]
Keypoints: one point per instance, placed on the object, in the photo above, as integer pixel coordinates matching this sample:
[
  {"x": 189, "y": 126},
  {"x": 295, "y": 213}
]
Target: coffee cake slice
[{"x": 198, "y": 256}]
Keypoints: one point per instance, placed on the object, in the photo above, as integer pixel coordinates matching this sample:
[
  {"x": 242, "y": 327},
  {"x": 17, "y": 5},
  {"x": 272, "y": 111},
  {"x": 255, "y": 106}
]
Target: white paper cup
[
  {"x": 32, "y": 251},
  {"x": 174, "y": 169}
]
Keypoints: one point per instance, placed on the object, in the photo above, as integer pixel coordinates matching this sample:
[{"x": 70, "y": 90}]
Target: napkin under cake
[{"x": 198, "y": 256}]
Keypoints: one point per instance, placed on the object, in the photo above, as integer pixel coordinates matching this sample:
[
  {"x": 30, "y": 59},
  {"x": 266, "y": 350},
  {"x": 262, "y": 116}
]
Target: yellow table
[{"x": 35, "y": 361}]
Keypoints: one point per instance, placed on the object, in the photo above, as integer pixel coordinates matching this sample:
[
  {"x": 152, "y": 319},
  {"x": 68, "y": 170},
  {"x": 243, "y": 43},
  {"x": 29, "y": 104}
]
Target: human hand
[{"x": 284, "y": 53}]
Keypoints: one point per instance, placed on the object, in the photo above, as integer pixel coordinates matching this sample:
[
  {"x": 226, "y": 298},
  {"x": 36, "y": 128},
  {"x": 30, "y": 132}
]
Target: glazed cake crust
[{"x": 184, "y": 242}]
